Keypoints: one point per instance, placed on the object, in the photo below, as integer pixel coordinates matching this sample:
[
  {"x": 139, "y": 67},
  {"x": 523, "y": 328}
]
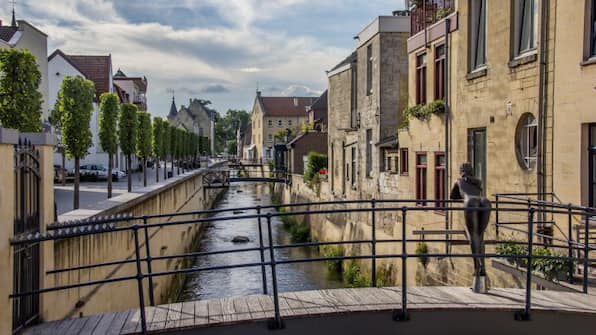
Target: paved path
[{"x": 229, "y": 311}]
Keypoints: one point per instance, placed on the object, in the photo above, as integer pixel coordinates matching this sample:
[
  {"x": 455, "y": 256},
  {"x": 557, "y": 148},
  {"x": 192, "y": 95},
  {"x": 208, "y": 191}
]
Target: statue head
[{"x": 466, "y": 169}]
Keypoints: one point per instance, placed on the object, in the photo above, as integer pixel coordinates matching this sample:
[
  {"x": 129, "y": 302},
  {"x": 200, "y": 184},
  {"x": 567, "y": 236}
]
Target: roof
[
  {"x": 300, "y": 137},
  {"x": 121, "y": 93},
  {"x": 95, "y": 68},
  {"x": 285, "y": 106},
  {"x": 348, "y": 60},
  {"x": 173, "y": 109},
  {"x": 320, "y": 103},
  {"x": 7, "y": 32},
  {"x": 119, "y": 74}
]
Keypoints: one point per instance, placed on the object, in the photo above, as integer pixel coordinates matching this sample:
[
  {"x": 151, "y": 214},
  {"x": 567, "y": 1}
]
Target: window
[
  {"x": 269, "y": 123},
  {"x": 354, "y": 97},
  {"x": 369, "y": 153},
  {"x": 592, "y": 165},
  {"x": 440, "y": 72},
  {"x": 526, "y": 141},
  {"x": 279, "y": 123},
  {"x": 477, "y": 154},
  {"x": 439, "y": 179},
  {"x": 369, "y": 70},
  {"x": 525, "y": 26},
  {"x": 421, "y": 79},
  {"x": 403, "y": 168},
  {"x": 477, "y": 34},
  {"x": 353, "y": 167},
  {"x": 289, "y": 123},
  {"x": 592, "y": 29},
  {"x": 421, "y": 178},
  {"x": 270, "y": 137},
  {"x": 387, "y": 160}
]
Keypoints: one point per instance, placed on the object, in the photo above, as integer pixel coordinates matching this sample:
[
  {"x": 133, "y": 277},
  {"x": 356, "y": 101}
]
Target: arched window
[{"x": 526, "y": 141}]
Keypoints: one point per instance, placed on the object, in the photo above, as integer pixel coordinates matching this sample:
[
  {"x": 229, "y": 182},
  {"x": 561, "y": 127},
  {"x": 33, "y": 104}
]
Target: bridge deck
[{"x": 227, "y": 311}]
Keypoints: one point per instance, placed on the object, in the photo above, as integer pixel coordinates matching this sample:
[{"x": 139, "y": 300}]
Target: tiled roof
[
  {"x": 95, "y": 68},
  {"x": 7, "y": 32},
  {"x": 285, "y": 106}
]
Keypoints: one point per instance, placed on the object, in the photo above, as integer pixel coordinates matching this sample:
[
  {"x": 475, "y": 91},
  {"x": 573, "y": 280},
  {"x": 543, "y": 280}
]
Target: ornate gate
[{"x": 26, "y": 274}]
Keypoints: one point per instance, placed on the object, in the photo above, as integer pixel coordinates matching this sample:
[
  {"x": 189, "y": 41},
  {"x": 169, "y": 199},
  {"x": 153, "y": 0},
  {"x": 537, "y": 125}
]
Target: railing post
[
  {"x": 277, "y": 322},
  {"x": 374, "y": 243},
  {"x": 140, "y": 280},
  {"x": 570, "y": 242},
  {"x": 497, "y": 217},
  {"x": 525, "y": 314},
  {"x": 262, "y": 251},
  {"x": 586, "y": 252},
  {"x": 148, "y": 254},
  {"x": 403, "y": 314}
]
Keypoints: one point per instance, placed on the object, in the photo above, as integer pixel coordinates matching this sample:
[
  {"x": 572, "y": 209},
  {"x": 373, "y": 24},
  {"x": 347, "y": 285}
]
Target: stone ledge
[
  {"x": 589, "y": 61},
  {"x": 477, "y": 74},
  {"x": 9, "y": 136},
  {"x": 523, "y": 60},
  {"x": 40, "y": 138}
]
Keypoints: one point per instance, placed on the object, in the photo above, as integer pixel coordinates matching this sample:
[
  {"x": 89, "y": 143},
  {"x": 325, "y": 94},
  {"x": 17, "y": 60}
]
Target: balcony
[{"x": 426, "y": 12}]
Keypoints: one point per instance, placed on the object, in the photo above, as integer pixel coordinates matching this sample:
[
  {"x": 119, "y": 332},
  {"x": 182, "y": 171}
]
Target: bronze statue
[{"x": 469, "y": 188}]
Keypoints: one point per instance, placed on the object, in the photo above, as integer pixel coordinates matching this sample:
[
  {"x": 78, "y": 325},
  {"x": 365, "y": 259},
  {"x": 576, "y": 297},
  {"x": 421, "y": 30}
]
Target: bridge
[
  {"x": 380, "y": 310},
  {"x": 238, "y": 173}
]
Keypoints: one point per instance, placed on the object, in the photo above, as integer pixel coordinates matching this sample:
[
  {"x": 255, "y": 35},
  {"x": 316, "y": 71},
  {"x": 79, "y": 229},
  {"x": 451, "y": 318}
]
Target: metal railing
[{"x": 267, "y": 257}]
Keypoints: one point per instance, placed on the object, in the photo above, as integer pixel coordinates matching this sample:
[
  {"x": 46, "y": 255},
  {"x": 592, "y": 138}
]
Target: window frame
[
  {"x": 404, "y": 161},
  {"x": 439, "y": 81},
  {"x": 476, "y": 31},
  {"x": 526, "y": 141},
  {"x": 369, "y": 153},
  {"x": 472, "y": 154},
  {"x": 421, "y": 178},
  {"x": 269, "y": 123},
  {"x": 518, "y": 7},
  {"x": 354, "y": 167},
  {"x": 440, "y": 177},
  {"x": 421, "y": 78},
  {"x": 369, "y": 69},
  {"x": 590, "y": 31},
  {"x": 280, "y": 123},
  {"x": 354, "y": 98}
]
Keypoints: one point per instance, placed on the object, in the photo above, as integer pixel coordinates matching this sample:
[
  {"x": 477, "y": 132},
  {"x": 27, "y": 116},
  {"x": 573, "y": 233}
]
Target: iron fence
[{"x": 267, "y": 258}]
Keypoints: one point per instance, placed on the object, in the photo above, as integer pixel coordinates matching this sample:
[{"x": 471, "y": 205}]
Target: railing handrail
[{"x": 90, "y": 228}]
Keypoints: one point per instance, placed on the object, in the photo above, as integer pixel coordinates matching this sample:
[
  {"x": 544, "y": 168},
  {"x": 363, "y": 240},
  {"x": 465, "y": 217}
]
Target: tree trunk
[
  {"x": 110, "y": 164},
  {"x": 156, "y": 169},
  {"x": 128, "y": 173},
  {"x": 165, "y": 168},
  {"x": 144, "y": 172},
  {"x": 63, "y": 172},
  {"x": 178, "y": 166},
  {"x": 76, "y": 183}
]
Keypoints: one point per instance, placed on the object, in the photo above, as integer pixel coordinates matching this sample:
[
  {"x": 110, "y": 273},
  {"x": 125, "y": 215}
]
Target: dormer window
[{"x": 296, "y": 102}]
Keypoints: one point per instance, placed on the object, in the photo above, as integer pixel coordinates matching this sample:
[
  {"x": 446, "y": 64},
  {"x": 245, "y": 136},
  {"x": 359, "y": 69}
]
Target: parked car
[
  {"x": 117, "y": 174},
  {"x": 98, "y": 171}
]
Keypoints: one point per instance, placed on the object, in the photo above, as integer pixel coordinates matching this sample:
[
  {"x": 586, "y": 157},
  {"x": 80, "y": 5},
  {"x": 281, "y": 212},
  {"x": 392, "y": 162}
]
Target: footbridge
[
  {"x": 241, "y": 173},
  {"x": 406, "y": 308}
]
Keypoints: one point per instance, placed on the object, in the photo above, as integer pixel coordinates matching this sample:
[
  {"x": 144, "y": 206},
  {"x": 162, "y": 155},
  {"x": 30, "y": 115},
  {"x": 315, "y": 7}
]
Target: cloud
[
  {"x": 215, "y": 88},
  {"x": 300, "y": 91}
]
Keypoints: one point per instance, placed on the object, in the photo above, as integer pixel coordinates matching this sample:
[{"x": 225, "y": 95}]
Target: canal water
[{"x": 245, "y": 281}]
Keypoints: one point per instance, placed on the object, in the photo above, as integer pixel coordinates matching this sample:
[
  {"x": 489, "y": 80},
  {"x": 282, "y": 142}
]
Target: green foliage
[
  {"x": 422, "y": 249},
  {"x": 20, "y": 100},
  {"x": 144, "y": 136},
  {"x": 108, "y": 122},
  {"x": 226, "y": 126},
  {"x": 232, "y": 147},
  {"x": 167, "y": 138},
  {"x": 551, "y": 268},
  {"x": 354, "y": 277},
  {"x": 329, "y": 251},
  {"x": 315, "y": 162},
  {"x": 158, "y": 137},
  {"x": 510, "y": 248},
  {"x": 127, "y": 129},
  {"x": 421, "y": 112},
  {"x": 75, "y": 108}
]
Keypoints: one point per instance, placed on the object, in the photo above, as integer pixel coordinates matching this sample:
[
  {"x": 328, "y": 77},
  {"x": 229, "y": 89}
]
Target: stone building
[
  {"x": 21, "y": 34},
  {"x": 367, "y": 92},
  {"x": 317, "y": 113},
  {"x": 272, "y": 114},
  {"x": 195, "y": 118}
]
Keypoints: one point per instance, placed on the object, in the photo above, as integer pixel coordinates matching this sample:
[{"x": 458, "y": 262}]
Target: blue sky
[{"x": 210, "y": 49}]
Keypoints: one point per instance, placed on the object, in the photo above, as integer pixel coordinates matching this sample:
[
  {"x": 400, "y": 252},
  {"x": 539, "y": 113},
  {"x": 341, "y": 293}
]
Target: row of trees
[{"x": 120, "y": 126}]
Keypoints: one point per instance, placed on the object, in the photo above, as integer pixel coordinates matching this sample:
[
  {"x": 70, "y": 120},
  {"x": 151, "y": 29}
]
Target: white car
[{"x": 98, "y": 171}]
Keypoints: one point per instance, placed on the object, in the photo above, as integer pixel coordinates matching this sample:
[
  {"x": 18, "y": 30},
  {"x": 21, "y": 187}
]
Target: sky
[{"x": 217, "y": 50}]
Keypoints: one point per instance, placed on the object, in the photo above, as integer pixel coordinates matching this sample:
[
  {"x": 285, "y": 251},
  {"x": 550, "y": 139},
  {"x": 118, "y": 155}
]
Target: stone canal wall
[{"x": 180, "y": 194}]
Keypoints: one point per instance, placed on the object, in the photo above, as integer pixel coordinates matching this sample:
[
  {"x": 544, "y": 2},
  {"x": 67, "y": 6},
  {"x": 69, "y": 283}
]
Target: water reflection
[{"x": 245, "y": 281}]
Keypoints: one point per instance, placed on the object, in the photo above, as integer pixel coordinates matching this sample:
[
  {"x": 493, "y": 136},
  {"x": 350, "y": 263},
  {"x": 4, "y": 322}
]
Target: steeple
[
  {"x": 14, "y": 20},
  {"x": 173, "y": 109}
]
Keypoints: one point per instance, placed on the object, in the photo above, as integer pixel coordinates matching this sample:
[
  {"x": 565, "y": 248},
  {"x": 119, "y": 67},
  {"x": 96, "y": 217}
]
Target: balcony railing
[{"x": 426, "y": 12}]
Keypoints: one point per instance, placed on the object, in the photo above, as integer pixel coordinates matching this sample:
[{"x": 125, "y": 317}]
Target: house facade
[
  {"x": 23, "y": 35},
  {"x": 271, "y": 115},
  {"x": 132, "y": 89},
  {"x": 195, "y": 118}
]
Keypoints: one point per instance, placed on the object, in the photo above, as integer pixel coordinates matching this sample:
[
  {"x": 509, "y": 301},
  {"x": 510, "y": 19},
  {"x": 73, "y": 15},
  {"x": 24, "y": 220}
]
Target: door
[
  {"x": 592, "y": 164},
  {"x": 477, "y": 154}
]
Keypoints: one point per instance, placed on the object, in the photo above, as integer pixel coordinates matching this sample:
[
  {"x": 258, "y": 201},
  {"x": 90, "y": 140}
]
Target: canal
[{"x": 245, "y": 281}]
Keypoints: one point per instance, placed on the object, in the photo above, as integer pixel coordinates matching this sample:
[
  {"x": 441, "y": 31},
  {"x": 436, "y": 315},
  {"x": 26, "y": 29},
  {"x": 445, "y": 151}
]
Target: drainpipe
[
  {"x": 542, "y": 104},
  {"x": 447, "y": 110}
]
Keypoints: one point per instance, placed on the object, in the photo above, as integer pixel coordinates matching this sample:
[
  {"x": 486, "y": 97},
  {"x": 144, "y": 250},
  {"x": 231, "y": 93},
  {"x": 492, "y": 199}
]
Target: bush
[
  {"x": 510, "y": 248},
  {"x": 329, "y": 251},
  {"x": 551, "y": 268},
  {"x": 353, "y": 277},
  {"x": 421, "y": 112},
  {"x": 422, "y": 249},
  {"x": 315, "y": 162}
]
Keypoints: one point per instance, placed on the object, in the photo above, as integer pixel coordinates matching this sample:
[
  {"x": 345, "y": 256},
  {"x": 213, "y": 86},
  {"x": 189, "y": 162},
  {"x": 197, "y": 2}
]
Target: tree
[
  {"x": 127, "y": 133},
  {"x": 167, "y": 139},
  {"x": 158, "y": 144},
  {"x": 75, "y": 108},
  {"x": 144, "y": 141},
  {"x": 55, "y": 120},
  {"x": 108, "y": 124},
  {"x": 20, "y": 100},
  {"x": 226, "y": 127},
  {"x": 173, "y": 140}
]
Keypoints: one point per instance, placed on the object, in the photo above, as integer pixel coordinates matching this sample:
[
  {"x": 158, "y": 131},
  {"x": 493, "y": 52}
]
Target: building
[
  {"x": 317, "y": 113},
  {"x": 132, "y": 89},
  {"x": 367, "y": 93},
  {"x": 300, "y": 146},
  {"x": 98, "y": 69},
  {"x": 195, "y": 118},
  {"x": 23, "y": 35},
  {"x": 271, "y": 115}
]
